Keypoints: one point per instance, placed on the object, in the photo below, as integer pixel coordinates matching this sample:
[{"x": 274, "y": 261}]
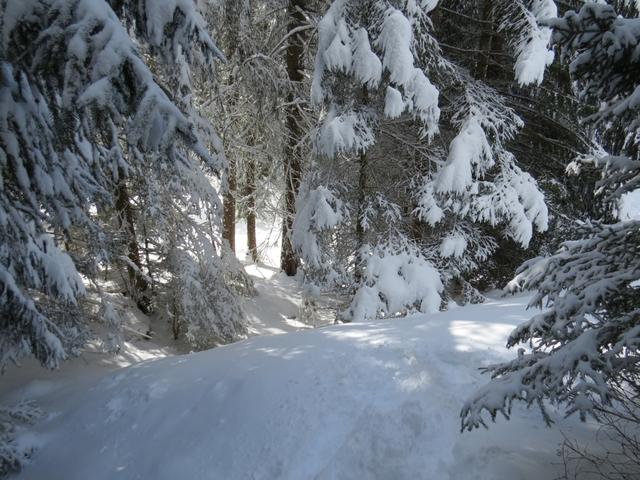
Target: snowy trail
[
  {"x": 276, "y": 308},
  {"x": 375, "y": 400}
]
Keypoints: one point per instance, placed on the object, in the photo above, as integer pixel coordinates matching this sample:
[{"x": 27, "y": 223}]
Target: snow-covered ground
[
  {"x": 630, "y": 205},
  {"x": 378, "y": 400},
  {"x": 277, "y": 307},
  {"x": 375, "y": 400}
]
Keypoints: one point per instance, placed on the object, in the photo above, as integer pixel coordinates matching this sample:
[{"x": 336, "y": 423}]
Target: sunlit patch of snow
[
  {"x": 630, "y": 206},
  {"x": 470, "y": 335}
]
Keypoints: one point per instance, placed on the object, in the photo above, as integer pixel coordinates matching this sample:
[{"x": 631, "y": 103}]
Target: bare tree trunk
[
  {"x": 292, "y": 161},
  {"x": 229, "y": 209},
  {"x": 250, "y": 194},
  {"x": 212, "y": 230},
  {"x": 234, "y": 18},
  {"x": 485, "y": 41},
  {"x": 147, "y": 256},
  {"x": 362, "y": 186},
  {"x": 126, "y": 221}
]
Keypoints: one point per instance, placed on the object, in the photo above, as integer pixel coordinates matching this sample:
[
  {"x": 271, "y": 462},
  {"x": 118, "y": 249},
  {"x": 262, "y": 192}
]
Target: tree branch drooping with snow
[
  {"x": 81, "y": 113},
  {"x": 588, "y": 336},
  {"x": 373, "y": 75}
]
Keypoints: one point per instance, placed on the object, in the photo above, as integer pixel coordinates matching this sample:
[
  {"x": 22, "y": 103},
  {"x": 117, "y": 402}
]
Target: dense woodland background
[{"x": 414, "y": 153}]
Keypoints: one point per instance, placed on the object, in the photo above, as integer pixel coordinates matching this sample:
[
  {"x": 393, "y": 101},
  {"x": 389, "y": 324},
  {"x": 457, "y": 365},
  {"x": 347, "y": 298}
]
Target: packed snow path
[
  {"x": 377, "y": 400},
  {"x": 276, "y": 307}
]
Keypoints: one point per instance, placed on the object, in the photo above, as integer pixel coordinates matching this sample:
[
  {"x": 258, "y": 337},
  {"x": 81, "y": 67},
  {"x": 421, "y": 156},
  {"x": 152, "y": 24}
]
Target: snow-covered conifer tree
[
  {"x": 489, "y": 39},
  {"x": 81, "y": 113},
  {"x": 479, "y": 183},
  {"x": 378, "y": 78},
  {"x": 368, "y": 73},
  {"x": 588, "y": 336}
]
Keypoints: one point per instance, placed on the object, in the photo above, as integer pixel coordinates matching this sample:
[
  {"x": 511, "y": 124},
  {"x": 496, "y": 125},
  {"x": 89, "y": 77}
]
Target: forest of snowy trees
[{"x": 413, "y": 156}]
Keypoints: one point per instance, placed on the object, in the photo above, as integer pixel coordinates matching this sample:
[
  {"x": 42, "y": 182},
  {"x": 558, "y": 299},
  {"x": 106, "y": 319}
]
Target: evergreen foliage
[
  {"x": 588, "y": 337},
  {"x": 13, "y": 455},
  {"x": 83, "y": 120},
  {"x": 431, "y": 176}
]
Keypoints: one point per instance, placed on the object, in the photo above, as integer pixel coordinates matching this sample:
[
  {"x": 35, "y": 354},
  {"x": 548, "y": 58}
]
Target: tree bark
[
  {"x": 229, "y": 209},
  {"x": 147, "y": 256},
  {"x": 485, "y": 41},
  {"x": 250, "y": 194},
  {"x": 362, "y": 186},
  {"x": 292, "y": 161},
  {"x": 234, "y": 18},
  {"x": 126, "y": 220}
]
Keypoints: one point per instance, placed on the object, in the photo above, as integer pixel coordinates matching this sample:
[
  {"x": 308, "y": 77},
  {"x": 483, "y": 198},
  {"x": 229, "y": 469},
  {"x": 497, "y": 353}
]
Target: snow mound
[{"x": 372, "y": 400}]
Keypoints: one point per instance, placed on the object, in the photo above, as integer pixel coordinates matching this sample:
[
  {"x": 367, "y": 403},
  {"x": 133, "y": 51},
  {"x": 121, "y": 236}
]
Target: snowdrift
[{"x": 375, "y": 400}]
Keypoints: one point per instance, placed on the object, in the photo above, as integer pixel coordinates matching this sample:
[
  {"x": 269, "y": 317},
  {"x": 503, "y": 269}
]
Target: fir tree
[
  {"x": 378, "y": 78},
  {"x": 588, "y": 338},
  {"x": 82, "y": 114}
]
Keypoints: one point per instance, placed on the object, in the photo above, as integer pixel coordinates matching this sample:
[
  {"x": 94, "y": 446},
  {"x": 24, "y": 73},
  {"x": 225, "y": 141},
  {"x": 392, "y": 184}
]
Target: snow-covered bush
[
  {"x": 13, "y": 453},
  {"x": 618, "y": 457},
  {"x": 197, "y": 282},
  {"x": 203, "y": 308},
  {"x": 588, "y": 336},
  {"x": 308, "y": 310},
  {"x": 395, "y": 280}
]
